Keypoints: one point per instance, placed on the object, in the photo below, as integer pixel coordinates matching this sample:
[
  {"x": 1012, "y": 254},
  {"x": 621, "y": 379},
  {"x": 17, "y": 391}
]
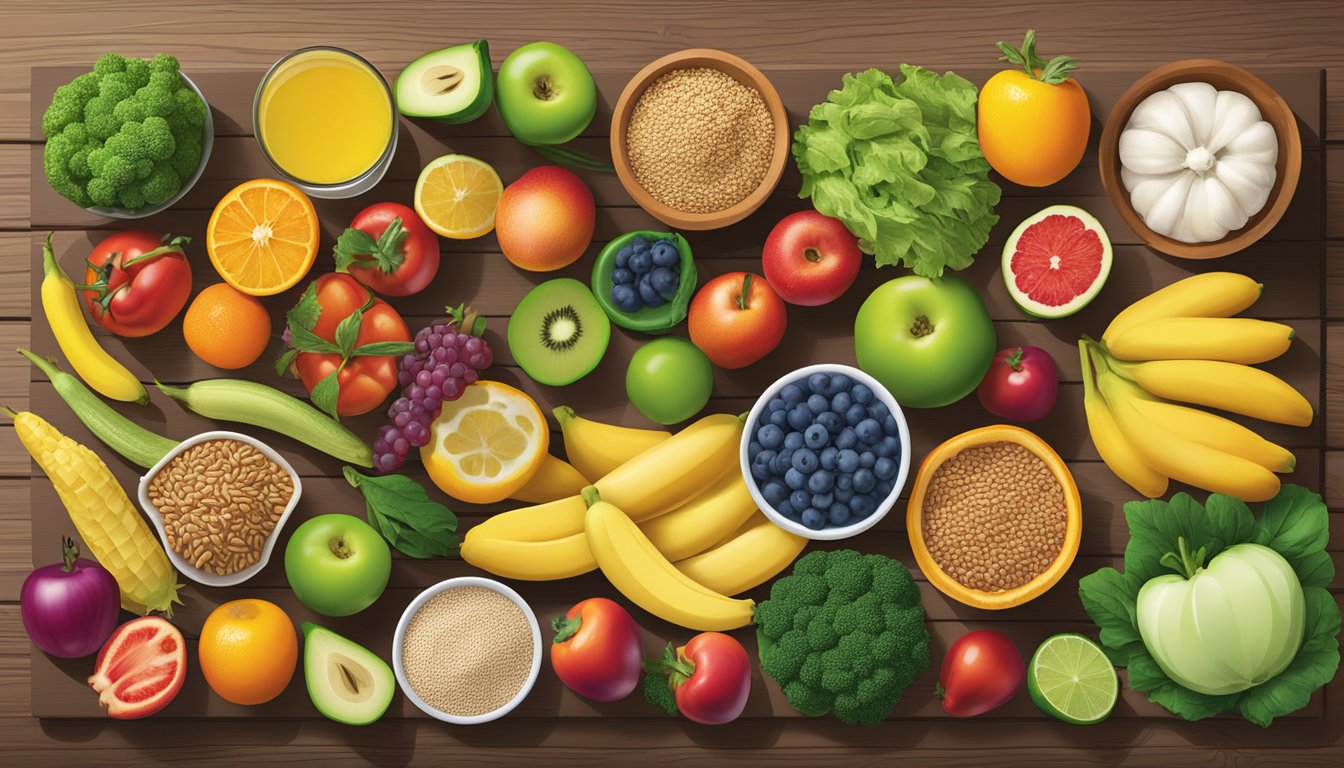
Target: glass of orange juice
[{"x": 325, "y": 120}]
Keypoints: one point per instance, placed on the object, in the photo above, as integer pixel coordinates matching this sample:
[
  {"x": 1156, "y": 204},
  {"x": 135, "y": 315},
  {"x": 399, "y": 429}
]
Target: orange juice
[{"x": 324, "y": 116}]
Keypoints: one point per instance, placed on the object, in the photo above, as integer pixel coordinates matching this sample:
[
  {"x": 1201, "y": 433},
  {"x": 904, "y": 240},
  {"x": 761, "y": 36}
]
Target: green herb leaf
[
  {"x": 306, "y": 312},
  {"x": 1314, "y": 666},
  {"x": 1295, "y": 524},
  {"x": 327, "y": 392},
  {"x": 352, "y": 246},
  {"x": 304, "y": 340},
  {"x": 347, "y": 333},
  {"x": 399, "y": 508},
  {"x": 1109, "y": 598},
  {"x": 285, "y": 360},
  {"x": 375, "y": 348}
]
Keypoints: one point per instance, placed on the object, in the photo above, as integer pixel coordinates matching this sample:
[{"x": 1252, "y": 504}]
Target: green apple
[
  {"x": 545, "y": 94},
  {"x": 337, "y": 564},
  {"x": 929, "y": 342}
]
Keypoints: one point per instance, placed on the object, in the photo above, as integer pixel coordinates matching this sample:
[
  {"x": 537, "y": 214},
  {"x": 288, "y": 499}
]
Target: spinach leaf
[{"x": 399, "y": 509}]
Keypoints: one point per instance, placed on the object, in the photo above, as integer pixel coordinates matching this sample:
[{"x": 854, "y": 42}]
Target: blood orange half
[
  {"x": 1056, "y": 261},
  {"x": 140, "y": 668}
]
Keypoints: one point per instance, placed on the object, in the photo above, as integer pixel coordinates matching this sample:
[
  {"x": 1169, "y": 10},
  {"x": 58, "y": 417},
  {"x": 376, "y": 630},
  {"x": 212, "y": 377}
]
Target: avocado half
[
  {"x": 452, "y": 85},
  {"x": 346, "y": 681}
]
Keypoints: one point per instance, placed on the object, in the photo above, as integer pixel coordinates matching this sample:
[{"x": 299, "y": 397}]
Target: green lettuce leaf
[{"x": 901, "y": 166}]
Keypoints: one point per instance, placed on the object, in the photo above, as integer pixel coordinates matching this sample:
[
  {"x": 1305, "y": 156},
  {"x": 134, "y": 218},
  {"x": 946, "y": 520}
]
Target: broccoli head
[
  {"x": 844, "y": 633},
  {"x": 127, "y": 134}
]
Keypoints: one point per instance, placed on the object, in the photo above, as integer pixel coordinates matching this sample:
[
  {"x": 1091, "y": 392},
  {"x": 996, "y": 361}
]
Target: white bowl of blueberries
[{"x": 826, "y": 451}]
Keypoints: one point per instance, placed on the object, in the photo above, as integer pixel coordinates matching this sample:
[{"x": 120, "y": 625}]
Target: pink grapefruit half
[{"x": 1056, "y": 261}]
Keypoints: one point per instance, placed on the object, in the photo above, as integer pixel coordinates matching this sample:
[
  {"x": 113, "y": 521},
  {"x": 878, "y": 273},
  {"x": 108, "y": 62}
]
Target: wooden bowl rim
[
  {"x": 1273, "y": 109},
  {"x": 739, "y": 69}
]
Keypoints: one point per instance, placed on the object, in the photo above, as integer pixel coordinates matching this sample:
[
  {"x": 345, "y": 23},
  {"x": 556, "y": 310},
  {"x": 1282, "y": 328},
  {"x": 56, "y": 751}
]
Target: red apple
[
  {"x": 736, "y": 319},
  {"x": 811, "y": 259},
  {"x": 545, "y": 219}
]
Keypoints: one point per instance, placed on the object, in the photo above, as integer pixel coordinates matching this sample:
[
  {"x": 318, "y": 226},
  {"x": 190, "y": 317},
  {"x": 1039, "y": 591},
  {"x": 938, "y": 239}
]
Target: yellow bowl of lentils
[
  {"x": 218, "y": 501},
  {"x": 699, "y": 139}
]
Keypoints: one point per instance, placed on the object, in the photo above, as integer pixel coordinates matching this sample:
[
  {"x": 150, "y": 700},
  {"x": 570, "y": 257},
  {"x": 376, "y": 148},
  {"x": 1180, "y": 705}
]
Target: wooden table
[{"x": 45, "y": 714}]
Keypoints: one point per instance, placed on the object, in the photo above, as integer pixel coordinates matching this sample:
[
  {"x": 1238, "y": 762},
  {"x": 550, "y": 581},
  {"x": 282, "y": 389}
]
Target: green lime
[
  {"x": 1070, "y": 678},
  {"x": 669, "y": 380}
]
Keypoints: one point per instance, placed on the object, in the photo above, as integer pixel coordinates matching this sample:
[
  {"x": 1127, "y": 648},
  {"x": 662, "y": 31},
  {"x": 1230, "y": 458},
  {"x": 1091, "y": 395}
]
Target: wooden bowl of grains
[
  {"x": 218, "y": 501},
  {"x": 467, "y": 650},
  {"x": 994, "y": 517},
  {"x": 699, "y": 139}
]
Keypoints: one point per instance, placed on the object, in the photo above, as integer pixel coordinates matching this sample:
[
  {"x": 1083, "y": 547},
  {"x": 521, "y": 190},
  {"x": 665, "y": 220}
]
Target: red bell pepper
[{"x": 710, "y": 677}]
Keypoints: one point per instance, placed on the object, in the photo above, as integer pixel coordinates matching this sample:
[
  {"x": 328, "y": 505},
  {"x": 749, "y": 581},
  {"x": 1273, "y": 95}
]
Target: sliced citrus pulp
[
  {"x": 1070, "y": 678},
  {"x": 1056, "y": 261},
  {"x": 456, "y": 195},
  {"x": 262, "y": 237},
  {"x": 487, "y": 444}
]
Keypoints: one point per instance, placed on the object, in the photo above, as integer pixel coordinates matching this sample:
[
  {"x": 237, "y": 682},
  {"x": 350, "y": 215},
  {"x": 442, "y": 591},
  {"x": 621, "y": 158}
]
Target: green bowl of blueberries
[{"x": 644, "y": 280}]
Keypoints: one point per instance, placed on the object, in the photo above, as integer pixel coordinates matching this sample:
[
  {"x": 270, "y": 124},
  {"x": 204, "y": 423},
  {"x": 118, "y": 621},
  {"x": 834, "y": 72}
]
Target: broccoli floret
[
  {"x": 659, "y": 694},
  {"x": 863, "y": 640},
  {"x": 109, "y": 63},
  {"x": 186, "y": 157},
  {"x": 162, "y": 184},
  {"x": 162, "y": 62},
  {"x": 138, "y": 72}
]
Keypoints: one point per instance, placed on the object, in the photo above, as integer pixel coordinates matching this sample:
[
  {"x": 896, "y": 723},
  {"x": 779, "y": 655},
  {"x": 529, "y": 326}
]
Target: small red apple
[
  {"x": 811, "y": 259},
  {"x": 736, "y": 319}
]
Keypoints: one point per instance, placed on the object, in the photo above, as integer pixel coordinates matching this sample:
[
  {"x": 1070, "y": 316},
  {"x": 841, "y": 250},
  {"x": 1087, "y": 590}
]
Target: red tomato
[
  {"x": 140, "y": 668},
  {"x": 597, "y": 651},
  {"x": 365, "y": 381},
  {"x": 736, "y": 319},
  {"x": 389, "y": 249},
  {"x": 1021, "y": 384},
  {"x": 810, "y": 258},
  {"x": 982, "y": 670},
  {"x": 710, "y": 677},
  {"x": 137, "y": 282}
]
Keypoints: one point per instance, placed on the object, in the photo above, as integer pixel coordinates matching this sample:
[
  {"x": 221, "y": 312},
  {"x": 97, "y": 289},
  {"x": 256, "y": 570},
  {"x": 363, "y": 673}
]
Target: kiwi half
[{"x": 558, "y": 333}]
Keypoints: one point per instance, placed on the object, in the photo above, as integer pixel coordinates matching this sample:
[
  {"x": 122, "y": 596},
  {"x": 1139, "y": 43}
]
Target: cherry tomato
[
  {"x": 137, "y": 282},
  {"x": 365, "y": 381},
  {"x": 710, "y": 677},
  {"x": 389, "y": 248},
  {"x": 1021, "y": 384},
  {"x": 597, "y": 651},
  {"x": 982, "y": 670},
  {"x": 736, "y": 319}
]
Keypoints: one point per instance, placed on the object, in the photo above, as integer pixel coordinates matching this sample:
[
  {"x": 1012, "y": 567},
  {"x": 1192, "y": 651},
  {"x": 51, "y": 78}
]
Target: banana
[
  {"x": 1225, "y": 386},
  {"x": 541, "y": 522},
  {"x": 661, "y": 478},
  {"x": 1234, "y": 340},
  {"x": 1217, "y": 432},
  {"x": 1183, "y": 459},
  {"x": 554, "y": 480},
  {"x": 631, "y": 563},
  {"x": 1212, "y": 294},
  {"x": 94, "y": 365},
  {"x": 1116, "y": 450},
  {"x": 560, "y": 558},
  {"x": 595, "y": 448},
  {"x": 751, "y": 558},
  {"x": 698, "y": 524}
]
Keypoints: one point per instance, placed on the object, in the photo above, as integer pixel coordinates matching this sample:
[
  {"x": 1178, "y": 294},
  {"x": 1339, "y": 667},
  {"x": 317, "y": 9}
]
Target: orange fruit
[
  {"x": 248, "y": 651},
  {"x": 487, "y": 444},
  {"x": 262, "y": 237},
  {"x": 456, "y": 196},
  {"x": 226, "y": 328}
]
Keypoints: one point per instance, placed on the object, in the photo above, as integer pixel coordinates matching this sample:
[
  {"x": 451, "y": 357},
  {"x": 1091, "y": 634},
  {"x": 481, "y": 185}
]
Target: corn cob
[{"x": 106, "y": 519}]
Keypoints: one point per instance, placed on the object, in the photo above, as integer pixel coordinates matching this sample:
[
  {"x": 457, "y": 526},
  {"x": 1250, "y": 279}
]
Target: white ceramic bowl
[
  {"x": 399, "y": 638},
  {"x": 207, "y": 143},
  {"x": 828, "y": 533},
  {"x": 194, "y": 573}
]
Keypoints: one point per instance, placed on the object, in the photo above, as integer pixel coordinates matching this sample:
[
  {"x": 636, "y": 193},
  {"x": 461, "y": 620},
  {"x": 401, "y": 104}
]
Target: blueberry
[
  {"x": 828, "y": 456},
  {"x": 783, "y": 462},
  {"x": 665, "y": 281},
  {"x": 805, "y": 461},
  {"x": 839, "y": 382},
  {"x": 883, "y": 489},
  {"x": 885, "y": 468},
  {"x": 775, "y": 404},
  {"x": 791, "y": 393},
  {"x": 800, "y": 417},
  {"x": 867, "y": 459},
  {"x": 770, "y": 436},
  {"x": 813, "y": 519},
  {"x": 774, "y": 492},
  {"x": 889, "y": 425},
  {"x": 819, "y": 383},
  {"x": 793, "y": 441},
  {"x": 822, "y": 500},
  {"x": 795, "y": 479},
  {"x": 847, "y": 461},
  {"x": 841, "y": 402},
  {"x": 641, "y": 262},
  {"x": 817, "y": 403},
  {"x": 753, "y": 448},
  {"x": 760, "y": 471},
  {"x": 846, "y": 439},
  {"x": 831, "y": 421},
  {"x": 648, "y": 294},
  {"x": 780, "y": 418},
  {"x": 626, "y": 298},
  {"x": 665, "y": 253},
  {"x": 838, "y": 514},
  {"x": 862, "y": 506},
  {"x": 766, "y": 458},
  {"x": 869, "y": 431},
  {"x": 820, "y": 481},
  {"x": 623, "y": 256},
  {"x": 622, "y": 276},
  {"x": 890, "y": 447},
  {"x": 800, "y": 499},
  {"x": 816, "y": 436},
  {"x": 861, "y": 393},
  {"x": 844, "y": 483},
  {"x": 864, "y": 482},
  {"x": 841, "y": 495},
  {"x": 786, "y": 509},
  {"x": 639, "y": 244},
  {"x": 878, "y": 411},
  {"x": 854, "y": 414}
]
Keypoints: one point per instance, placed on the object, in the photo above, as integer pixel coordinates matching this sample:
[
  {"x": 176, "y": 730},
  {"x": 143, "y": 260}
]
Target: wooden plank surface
[{"x": 1284, "y": 45}]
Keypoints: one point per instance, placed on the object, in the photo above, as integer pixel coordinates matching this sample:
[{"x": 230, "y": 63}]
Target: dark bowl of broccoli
[{"x": 129, "y": 138}]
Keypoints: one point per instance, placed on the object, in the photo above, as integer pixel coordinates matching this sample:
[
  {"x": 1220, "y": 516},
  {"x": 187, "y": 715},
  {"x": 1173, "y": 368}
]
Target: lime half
[{"x": 1071, "y": 679}]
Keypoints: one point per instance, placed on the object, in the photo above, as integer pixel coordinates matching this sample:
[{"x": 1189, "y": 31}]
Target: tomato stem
[
  {"x": 1016, "y": 359},
  {"x": 676, "y": 667},
  {"x": 743, "y": 299},
  {"x": 1185, "y": 564},
  {"x": 565, "y": 627}
]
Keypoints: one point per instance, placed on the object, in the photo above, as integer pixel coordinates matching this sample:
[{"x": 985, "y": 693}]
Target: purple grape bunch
[{"x": 446, "y": 360}]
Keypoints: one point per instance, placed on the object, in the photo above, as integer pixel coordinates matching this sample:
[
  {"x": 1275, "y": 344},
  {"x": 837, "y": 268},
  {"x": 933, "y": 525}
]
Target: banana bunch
[
  {"x": 1181, "y": 344},
  {"x": 669, "y": 522}
]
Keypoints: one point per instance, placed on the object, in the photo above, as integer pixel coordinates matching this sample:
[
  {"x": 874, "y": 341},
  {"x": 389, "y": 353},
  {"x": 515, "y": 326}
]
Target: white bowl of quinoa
[
  {"x": 699, "y": 138},
  {"x": 467, "y": 650}
]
